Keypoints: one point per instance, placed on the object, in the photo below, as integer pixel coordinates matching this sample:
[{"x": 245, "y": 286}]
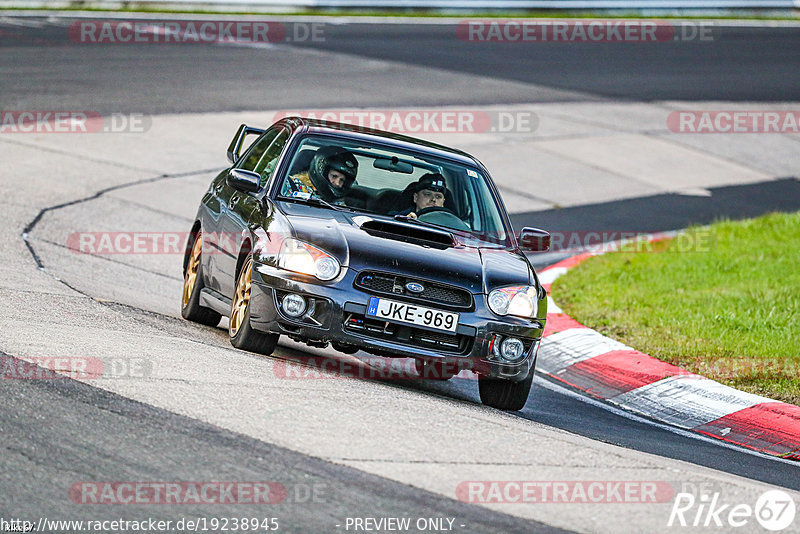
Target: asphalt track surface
[
  {"x": 668, "y": 211},
  {"x": 723, "y": 67},
  {"x": 40, "y": 69},
  {"x": 153, "y": 444}
]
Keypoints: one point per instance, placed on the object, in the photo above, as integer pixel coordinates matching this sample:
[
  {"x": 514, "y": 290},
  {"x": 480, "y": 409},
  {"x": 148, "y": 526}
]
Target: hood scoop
[{"x": 408, "y": 233}]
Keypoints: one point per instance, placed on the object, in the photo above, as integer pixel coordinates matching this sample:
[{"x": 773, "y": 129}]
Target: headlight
[
  {"x": 520, "y": 301},
  {"x": 303, "y": 258}
]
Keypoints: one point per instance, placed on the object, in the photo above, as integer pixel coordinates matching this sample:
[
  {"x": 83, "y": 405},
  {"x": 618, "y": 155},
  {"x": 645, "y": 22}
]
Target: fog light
[
  {"x": 294, "y": 305},
  {"x": 512, "y": 349}
]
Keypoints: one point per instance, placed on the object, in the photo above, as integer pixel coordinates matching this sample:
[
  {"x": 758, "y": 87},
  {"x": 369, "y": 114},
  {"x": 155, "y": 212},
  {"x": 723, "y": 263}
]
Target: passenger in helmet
[
  {"x": 330, "y": 175},
  {"x": 429, "y": 192}
]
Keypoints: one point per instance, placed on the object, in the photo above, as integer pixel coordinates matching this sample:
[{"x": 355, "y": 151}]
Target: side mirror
[
  {"x": 242, "y": 180},
  {"x": 236, "y": 144},
  {"x": 534, "y": 239}
]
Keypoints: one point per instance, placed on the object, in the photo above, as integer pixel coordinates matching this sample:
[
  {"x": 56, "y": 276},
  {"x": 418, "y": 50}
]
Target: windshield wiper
[{"x": 315, "y": 201}]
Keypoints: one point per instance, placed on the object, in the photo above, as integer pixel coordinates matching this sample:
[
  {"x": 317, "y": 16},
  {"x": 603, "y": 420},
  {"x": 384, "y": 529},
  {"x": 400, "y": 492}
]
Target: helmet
[{"x": 336, "y": 158}]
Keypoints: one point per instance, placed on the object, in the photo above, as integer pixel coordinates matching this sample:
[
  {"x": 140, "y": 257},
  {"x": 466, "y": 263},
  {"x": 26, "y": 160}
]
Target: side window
[
  {"x": 266, "y": 165},
  {"x": 254, "y": 153}
]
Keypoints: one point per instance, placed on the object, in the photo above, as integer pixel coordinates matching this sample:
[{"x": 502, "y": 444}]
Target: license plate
[{"x": 403, "y": 312}]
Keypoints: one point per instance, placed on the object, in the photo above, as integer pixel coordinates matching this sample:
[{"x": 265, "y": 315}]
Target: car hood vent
[{"x": 409, "y": 233}]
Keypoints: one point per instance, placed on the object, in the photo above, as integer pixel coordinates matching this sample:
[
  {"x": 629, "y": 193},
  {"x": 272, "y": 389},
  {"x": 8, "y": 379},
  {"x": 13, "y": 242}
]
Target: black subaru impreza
[{"x": 372, "y": 241}]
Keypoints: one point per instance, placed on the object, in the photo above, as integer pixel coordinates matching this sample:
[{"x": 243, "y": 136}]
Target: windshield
[{"x": 387, "y": 181}]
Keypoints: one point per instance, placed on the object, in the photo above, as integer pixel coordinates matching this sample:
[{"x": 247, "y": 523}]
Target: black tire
[
  {"x": 190, "y": 304},
  {"x": 436, "y": 370},
  {"x": 346, "y": 349},
  {"x": 504, "y": 394},
  {"x": 244, "y": 337}
]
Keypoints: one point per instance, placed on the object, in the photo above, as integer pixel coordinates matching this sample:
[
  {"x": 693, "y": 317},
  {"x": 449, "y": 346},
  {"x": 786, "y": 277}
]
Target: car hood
[{"x": 366, "y": 242}]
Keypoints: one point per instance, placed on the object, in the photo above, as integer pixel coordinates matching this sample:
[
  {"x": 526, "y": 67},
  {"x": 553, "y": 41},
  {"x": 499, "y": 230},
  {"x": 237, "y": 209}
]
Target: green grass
[{"x": 722, "y": 301}]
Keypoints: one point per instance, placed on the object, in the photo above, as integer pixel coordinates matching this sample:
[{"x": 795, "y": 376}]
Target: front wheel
[
  {"x": 241, "y": 334},
  {"x": 504, "y": 394}
]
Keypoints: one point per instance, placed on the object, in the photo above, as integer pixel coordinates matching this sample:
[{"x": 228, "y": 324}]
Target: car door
[
  {"x": 211, "y": 216},
  {"x": 262, "y": 158}
]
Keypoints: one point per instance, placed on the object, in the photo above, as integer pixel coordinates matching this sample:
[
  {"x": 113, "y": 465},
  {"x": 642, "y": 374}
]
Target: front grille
[
  {"x": 377, "y": 283},
  {"x": 390, "y": 284},
  {"x": 456, "y": 344}
]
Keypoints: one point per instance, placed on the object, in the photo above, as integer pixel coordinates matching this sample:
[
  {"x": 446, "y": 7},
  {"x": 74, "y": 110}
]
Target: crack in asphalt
[
  {"x": 31, "y": 225},
  {"x": 110, "y": 303}
]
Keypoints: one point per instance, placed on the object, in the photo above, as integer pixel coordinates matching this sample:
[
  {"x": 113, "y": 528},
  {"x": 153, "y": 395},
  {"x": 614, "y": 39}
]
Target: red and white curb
[{"x": 612, "y": 372}]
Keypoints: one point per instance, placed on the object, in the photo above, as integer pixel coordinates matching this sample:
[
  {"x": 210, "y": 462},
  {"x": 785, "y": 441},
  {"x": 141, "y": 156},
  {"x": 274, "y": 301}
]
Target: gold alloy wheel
[
  {"x": 241, "y": 298},
  {"x": 190, "y": 278}
]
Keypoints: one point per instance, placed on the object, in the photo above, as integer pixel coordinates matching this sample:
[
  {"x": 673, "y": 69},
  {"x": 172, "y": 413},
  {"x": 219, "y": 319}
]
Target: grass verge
[{"x": 721, "y": 300}]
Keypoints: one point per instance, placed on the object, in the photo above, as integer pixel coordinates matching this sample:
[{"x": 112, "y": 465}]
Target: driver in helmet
[
  {"x": 429, "y": 192},
  {"x": 329, "y": 176}
]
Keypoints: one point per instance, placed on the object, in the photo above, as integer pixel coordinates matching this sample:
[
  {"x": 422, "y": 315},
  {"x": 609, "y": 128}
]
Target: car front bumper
[{"x": 338, "y": 305}]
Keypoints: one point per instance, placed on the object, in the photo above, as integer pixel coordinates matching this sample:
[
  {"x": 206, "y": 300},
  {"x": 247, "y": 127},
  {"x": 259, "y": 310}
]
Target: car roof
[{"x": 362, "y": 133}]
